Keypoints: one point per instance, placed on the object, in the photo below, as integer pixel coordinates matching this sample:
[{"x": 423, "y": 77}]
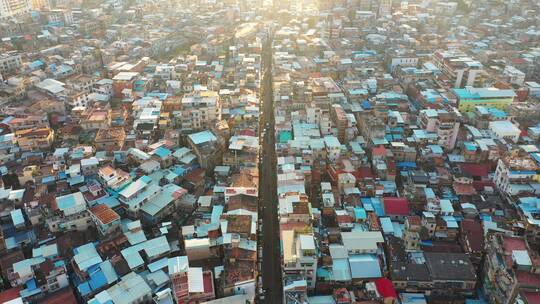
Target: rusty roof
[{"x": 104, "y": 214}]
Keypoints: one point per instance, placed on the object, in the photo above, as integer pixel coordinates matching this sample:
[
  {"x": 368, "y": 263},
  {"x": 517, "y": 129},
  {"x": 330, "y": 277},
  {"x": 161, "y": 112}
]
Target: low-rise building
[{"x": 35, "y": 139}]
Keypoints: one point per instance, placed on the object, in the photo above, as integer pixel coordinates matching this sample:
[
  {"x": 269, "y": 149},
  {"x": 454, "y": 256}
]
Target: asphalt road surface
[{"x": 268, "y": 201}]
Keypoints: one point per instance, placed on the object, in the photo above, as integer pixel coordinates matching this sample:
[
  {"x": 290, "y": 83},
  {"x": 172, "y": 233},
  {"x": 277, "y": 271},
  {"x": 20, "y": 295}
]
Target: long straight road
[{"x": 268, "y": 200}]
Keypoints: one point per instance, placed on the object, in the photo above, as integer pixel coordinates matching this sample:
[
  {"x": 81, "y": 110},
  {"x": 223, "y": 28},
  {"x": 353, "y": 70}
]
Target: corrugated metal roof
[
  {"x": 195, "y": 279},
  {"x": 17, "y": 217},
  {"x": 202, "y": 137},
  {"x": 364, "y": 266},
  {"x": 178, "y": 264},
  {"x": 86, "y": 256}
]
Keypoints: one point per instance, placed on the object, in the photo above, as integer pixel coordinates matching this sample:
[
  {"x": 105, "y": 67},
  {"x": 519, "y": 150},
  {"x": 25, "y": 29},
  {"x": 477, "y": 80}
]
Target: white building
[
  {"x": 200, "y": 110},
  {"x": 11, "y": 60},
  {"x": 333, "y": 147},
  {"x": 458, "y": 67},
  {"x": 514, "y": 75},
  {"x": 73, "y": 214},
  {"x": 10, "y": 8},
  {"x": 505, "y": 129},
  {"x": 516, "y": 173},
  {"x": 300, "y": 256},
  {"x": 402, "y": 62},
  {"x": 103, "y": 87},
  {"x": 362, "y": 242},
  {"x": 445, "y": 124},
  {"x": 164, "y": 71}
]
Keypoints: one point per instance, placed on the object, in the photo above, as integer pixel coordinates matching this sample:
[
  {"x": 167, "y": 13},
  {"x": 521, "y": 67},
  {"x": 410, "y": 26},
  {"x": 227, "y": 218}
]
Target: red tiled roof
[
  {"x": 527, "y": 278},
  {"x": 391, "y": 165},
  {"x": 385, "y": 288},
  {"x": 105, "y": 214},
  {"x": 207, "y": 282},
  {"x": 396, "y": 206},
  {"x": 414, "y": 220},
  {"x": 463, "y": 189},
  {"x": 195, "y": 176},
  {"x": 477, "y": 170},
  {"x": 248, "y": 132},
  {"x": 342, "y": 295},
  {"x": 532, "y": 297},
  {"x": 293, "y": 225},
  {"x": 513, "y": 243},
  {"x": 518, "y": 60},
  {"x": 474, "y": 234},
  {"x": 365, "y": 172},
  {"x": 10, "y": 294},
  {"x": 343, "y": 219},
  {"x": 380, "y": 150},
  {"x": 480, "y": 185},
  {"x": 64, "y": 296}
]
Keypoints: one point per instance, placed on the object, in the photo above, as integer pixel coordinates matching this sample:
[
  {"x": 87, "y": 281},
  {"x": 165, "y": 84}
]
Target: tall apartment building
[
  {"x": 340, "y": 121},
  {"x": 460, "y": 69},
  {"x": 199, "y": 110},
  {"x": 10, "y": 8},
  {"x": 514, "y": 75},
  {"x": 40, "y": 4},
  {"x": 190, "y": 284},
  {"x": 364, "y": 5},
  {"x": 299, "y": 256},
  {"x": 510, "y": 269},
  {"x": 385, "y": 8},
  {"x": 9, "y": 61},
  {"x": 515, "y": 173},
  {"x": 411, "y": 233},
  {"x": 324, "y": 92},
  {"x": 445, "y": 124}
]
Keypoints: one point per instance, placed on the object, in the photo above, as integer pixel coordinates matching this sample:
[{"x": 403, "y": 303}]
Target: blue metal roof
[
  {"x": 110, "y": 201},
  {"x": 159, "y": 264},
  {"x": 470, "y": 146},
  {"x": 481, "y": 93},
  {"x": 387, "y": 226},
  {"x": 323, "y": 273},
  {"x": 35, "y": 64},
  {"x": 364, "y": 266},
  {"x": 97, "y": 279},
  {"x": 377, "y": 205},
  {"x": 31, "y": 284},
  {"x": 202, "y": 137},
  {"x": 406, "y": 165},
  {"x": 366, "y": 105},
  {"x": 366, "y": 202},
  {"x": 162, "y": 152},
  {"x": 217, "y": 210},
  {"x": 17, "y": 217},
  {"x": 48, "y": 179},
  {"x": 436, "y": 149},
  {"x": 360, "y": 213},
  {"x": 429, "y": 193},
  {"x": 341, "y": 270},
  {"x": 84, "y": 288},
  {"x": 160, "y": 96}
]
